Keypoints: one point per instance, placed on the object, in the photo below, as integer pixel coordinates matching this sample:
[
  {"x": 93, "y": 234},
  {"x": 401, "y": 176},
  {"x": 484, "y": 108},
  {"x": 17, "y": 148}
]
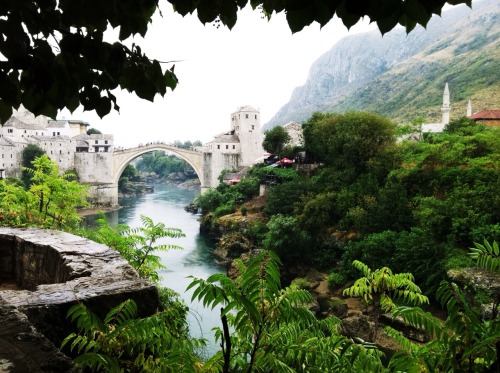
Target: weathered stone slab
[
  {"x": 23, "y": 349},
  {"x": 55, "y": 270}
]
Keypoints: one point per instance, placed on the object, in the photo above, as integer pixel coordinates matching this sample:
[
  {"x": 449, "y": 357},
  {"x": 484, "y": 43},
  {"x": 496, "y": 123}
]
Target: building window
[
  {"x": 105, "y": 141},
  {"x": 227, "y": 146},
  {"x": 58, "y": 133},
  {"x": 53, "y": 133},
  {"x": 253, "y": 127},
  {"x": 60, "y": 151},
  {"x": 255, "y": 116},
  {"x": 246, "y": 116},
  {"x": 96, "y": 142},
  {"x": 218, "y": 146},
  {"x": 24, "y": 131},
  {"x": 234, "y": 146},
  {"x": 10, "y": 130}
]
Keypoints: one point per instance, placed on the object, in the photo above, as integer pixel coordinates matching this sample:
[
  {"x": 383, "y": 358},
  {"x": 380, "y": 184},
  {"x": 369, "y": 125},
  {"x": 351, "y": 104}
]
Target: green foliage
[
  {"x": 50, "y": 202},
  {"x": 225, "y": 209},
  {"x": 223, "y": 199},
  {"x": 122, "y": 342},
  {"x": 382, "y": 287},
  {"x": 413, "y": 251},
  {"x": 162, "y": 164},
  {"x": 486, "y": 255},
  {"x": 283, "y": 198},
  {"x": 336, "y": 279},
  {"x": 145, "y": 241},
  {"x": 243, "y": 210},
  {"x": 287, "y": 239},
  {"x": 386, "y": 17},
  {"x": 136, "y": 245},
  {"x": 93, "y": 131},
  {"x": 266, "y": 328},
  {"x": 301, "y": 283},
  {"x": 29, "y": 154},
  {"x": 209, "y": 200},
  {"x": 348, "y": 141},
  {"x": 462, "y": 125},
  {"x": 275, "y": 140},
  {"x": 463, "y": 343}
]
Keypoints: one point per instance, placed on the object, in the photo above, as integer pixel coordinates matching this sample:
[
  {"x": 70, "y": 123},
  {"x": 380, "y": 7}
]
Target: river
[{"x": 166, "y": 205}]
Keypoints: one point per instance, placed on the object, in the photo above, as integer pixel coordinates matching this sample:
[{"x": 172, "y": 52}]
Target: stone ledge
[{"x": 54, "y": 270}]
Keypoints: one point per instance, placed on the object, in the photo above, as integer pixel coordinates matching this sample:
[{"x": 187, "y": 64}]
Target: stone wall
[{"x": 54, "y": 270}]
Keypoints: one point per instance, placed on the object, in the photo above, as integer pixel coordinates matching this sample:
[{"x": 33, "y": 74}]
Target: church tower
[{"x": 445, "y": 109}]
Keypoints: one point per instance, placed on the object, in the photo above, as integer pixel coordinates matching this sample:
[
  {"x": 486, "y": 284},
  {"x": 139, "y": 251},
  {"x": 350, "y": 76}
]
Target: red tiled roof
[{"x": 486, "y": 114}]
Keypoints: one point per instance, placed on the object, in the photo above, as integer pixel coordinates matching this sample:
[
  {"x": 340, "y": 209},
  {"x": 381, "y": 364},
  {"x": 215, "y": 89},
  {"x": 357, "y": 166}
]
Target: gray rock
[
  {"x": 359, "y": 326},
  {"x": 50, "y": 272}
]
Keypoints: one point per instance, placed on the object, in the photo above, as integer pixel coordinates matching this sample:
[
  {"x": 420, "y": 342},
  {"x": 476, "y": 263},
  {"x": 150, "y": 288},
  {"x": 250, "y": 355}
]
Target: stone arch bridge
[
  {"x": 103, "y": 171},
  {"x": 121, "y": 158}
]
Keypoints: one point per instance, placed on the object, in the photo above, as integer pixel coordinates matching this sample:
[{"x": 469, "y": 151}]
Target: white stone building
[
  {"x": 233, "y": 150},
  {"x": 60, "y": 139}
]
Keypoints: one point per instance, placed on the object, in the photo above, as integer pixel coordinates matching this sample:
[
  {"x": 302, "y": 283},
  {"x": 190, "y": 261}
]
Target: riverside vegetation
[{"x": 403, "y": 212}]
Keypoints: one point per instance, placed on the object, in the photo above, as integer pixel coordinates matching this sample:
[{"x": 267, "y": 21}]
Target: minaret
[
  {"x": 469, "y": 109},
  {"x": 445, "y": 109}
]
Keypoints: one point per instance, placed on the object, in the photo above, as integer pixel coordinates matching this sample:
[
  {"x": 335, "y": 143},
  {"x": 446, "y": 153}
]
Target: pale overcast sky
[{"x": 257, "y": 63}]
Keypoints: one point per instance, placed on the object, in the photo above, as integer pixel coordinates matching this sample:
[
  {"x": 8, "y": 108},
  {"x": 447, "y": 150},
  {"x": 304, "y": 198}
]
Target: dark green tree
[
  {"x": 30, "y": 153},
  {"x": 93, "y": 131},
  {"x": 275, "y": 140},
  {"x": 84, "y": 68},
  {"x": 349, "y": 141}
]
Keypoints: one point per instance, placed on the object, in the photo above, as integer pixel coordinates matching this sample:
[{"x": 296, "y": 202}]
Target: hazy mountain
[{"x": 403, "y": 76}]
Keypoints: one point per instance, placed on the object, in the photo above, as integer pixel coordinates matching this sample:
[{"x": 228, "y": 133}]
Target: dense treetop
[{"x": 53, "y": 55}]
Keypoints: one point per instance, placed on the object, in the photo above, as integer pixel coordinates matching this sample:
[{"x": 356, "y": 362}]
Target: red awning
[{"x": 285, "y": 161}]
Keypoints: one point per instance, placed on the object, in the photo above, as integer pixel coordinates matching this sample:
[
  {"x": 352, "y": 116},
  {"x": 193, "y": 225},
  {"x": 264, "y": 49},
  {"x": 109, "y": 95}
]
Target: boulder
[
  {"x": 359, "y": 326},
  {"x": 45, "y": 272}
]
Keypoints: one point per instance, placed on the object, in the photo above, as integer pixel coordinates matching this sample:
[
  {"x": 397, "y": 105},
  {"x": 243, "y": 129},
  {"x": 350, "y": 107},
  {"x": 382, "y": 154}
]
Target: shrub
[
  {"x": 301, "y": 283},
  {"x": 225, "y": 209},
  {"x": 243, "y": 210},
  {"x": 336, "y": 279}
]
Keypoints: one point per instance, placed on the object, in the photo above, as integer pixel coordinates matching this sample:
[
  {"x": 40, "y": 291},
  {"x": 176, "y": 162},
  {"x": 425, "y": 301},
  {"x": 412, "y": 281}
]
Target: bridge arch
[{"x": 121, "y": 158}]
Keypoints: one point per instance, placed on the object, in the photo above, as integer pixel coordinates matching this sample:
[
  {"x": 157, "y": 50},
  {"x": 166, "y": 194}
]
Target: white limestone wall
[
  {"x": 246, "y": 124},
  {"x": 10, "y": 161},
  {"x": 103, "y": 194},
  {"x": 95, "y": 167},
  {"x": 60, "y": 150},
  {"x": 215, "y": 163}
]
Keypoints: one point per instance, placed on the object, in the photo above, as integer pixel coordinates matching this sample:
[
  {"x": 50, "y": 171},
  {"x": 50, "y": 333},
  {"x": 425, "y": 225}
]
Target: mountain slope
[{"x": 402, "y": 76}]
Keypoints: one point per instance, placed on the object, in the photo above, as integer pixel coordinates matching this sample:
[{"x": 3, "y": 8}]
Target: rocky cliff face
[{"x": 356, "y": 62}]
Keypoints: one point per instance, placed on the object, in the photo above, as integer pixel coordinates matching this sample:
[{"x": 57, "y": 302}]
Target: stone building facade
[
  {"x": 64, "y": 141},
  {"x": 240, "y": 147}
]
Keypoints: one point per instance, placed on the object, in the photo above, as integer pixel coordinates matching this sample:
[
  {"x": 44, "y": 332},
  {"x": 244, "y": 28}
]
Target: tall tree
[
  {"x": 350, "y": 141},
  {"x": 55, "y": 56},
  {"x": 275, "y": 140},
  {"x": 30, "y": 153}
]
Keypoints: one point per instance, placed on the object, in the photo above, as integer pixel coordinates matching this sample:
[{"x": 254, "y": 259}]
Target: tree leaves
[{"x": 34, "y": 34}]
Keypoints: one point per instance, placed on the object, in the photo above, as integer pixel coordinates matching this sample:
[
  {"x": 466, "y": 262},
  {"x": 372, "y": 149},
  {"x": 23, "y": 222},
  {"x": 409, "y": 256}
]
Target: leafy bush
[
  {"x": 301, "y": 283},
  {"x": 225, "y": 209},
  {"x": 243, "y": 210},
  {"x": 335, "y": 280}
]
